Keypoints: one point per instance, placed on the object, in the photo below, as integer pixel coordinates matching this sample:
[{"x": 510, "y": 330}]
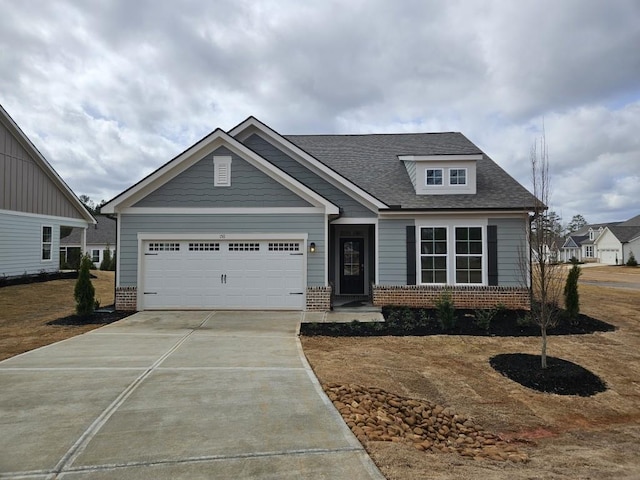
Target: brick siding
[
  {"x": 318, "y": 299},
  {"x": 472, "y": 297},
  {"x": 127, "y": 299}
]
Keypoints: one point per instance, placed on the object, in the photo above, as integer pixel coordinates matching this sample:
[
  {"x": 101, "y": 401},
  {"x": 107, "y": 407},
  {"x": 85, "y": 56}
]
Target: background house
[
  {"x": 35, "y": 204},
  {"x": 252, "y": 219},
  {"x": 606, "y": 243},
  {"x": 99, "y": 237}
]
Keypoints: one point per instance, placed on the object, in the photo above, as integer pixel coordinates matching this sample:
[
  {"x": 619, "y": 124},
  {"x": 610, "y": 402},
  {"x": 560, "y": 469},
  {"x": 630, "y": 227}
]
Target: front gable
[
  {"x": 186, "y": 184},
  {"x": 29, "y": 184},
  {"x": 247, "y": 187}
]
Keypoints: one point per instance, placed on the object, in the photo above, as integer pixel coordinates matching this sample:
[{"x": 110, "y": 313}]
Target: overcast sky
[{"x": 110, "y": 90}]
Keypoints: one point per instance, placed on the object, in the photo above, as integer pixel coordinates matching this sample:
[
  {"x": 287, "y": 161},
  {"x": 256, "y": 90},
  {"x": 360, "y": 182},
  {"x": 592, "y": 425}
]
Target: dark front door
[{"x": 352, "y": 266}]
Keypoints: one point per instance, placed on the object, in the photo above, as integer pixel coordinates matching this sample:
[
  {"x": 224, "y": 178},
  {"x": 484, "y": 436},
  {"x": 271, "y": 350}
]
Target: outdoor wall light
[{"x": 312, "y": 247}]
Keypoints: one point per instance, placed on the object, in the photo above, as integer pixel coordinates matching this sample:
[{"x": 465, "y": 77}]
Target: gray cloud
[{"x": 110, "y": 90}]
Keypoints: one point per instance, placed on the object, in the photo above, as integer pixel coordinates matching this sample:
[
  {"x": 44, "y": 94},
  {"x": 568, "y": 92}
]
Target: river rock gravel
[{"x": 376, "y": 415}]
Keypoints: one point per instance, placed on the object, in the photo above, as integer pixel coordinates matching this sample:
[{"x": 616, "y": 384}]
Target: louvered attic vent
[{"x": 222, "y": 171}]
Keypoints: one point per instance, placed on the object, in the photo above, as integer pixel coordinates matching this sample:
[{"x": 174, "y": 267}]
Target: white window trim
[
  {"x": 466, "y": 177},
  {"x": 426, "y": 177},
  {"x": 451, "y": 252},
  {"x": 43, "y": 243},
  {"x": 222, "y": 164},
  {"x": 419, "y": 258},
  {"x": 93, "y": 250},
  {"x": 483, "y": 272}
]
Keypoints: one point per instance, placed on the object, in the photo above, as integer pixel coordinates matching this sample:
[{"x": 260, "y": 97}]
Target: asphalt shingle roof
[
  {"x": 625, "y": 234},
  {"x": 101, "y": 233},
  {"x": 372, "y": 163}
]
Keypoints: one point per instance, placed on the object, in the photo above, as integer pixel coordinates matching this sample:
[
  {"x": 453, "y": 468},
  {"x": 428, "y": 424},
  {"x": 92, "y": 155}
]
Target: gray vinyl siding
[
  {"x": 24, "y": 185},
  {"x": 512, "y": 239},
  {"x": 349, "y": 206},
  {"x": 411, "y": 170},
  {"x": 313, "y": 225},
  {"x": 21, "y": 247},
  {"x": 249, "y": 188},
  {"x": 392, "y": 251}
]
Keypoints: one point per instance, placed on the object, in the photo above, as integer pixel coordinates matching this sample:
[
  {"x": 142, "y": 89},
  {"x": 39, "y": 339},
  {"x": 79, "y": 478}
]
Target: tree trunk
[{"x": 543, "y": 353}]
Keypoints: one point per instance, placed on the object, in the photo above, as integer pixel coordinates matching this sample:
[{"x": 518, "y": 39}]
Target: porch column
[{"x": 83, "y": 242}]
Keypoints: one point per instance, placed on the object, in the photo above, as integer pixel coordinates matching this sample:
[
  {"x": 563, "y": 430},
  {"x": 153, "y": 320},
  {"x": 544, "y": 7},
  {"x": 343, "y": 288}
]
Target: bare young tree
[{"x": 546, "y": 274}]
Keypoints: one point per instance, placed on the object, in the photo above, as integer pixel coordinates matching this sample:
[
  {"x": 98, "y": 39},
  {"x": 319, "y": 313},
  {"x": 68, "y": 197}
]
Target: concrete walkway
[{"x": 174, "y": 395}]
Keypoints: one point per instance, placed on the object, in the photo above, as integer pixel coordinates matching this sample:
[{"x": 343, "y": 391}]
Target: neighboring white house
[
  {"x": 100, "y": 236},
  {"x": 34, "y": 204},
  {"x": 616, "y": 243},
  {"x": 606, "y": 243}
]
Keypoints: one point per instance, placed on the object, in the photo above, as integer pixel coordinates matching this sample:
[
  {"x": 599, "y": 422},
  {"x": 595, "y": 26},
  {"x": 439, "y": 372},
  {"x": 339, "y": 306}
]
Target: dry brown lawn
[
  {"x": 26, "y": 309},
  {"x": 567, "y": 437}
]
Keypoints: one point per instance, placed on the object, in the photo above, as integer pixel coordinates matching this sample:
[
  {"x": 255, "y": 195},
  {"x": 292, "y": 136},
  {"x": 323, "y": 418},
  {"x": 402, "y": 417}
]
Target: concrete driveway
[{"x": 174, "y": 395}]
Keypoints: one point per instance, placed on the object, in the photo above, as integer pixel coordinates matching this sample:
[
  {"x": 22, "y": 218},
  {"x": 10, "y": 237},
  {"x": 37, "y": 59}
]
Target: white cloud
[{"x": 109, "y": 91}]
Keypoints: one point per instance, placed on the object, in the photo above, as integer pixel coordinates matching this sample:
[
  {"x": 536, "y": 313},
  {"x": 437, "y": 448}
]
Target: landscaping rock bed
[
  {"x": 376, "y": 415},
  {"x": 400, "y": 321}
]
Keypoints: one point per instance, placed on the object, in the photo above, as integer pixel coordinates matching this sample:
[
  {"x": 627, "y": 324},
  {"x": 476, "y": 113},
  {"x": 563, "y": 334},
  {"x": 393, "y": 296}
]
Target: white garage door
[
  {"x": 608, "y": 255},
  {"x": 252, "y": 274}
]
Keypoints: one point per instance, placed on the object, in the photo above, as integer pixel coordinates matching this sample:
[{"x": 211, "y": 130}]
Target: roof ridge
[{"x": 367, "y": 134}]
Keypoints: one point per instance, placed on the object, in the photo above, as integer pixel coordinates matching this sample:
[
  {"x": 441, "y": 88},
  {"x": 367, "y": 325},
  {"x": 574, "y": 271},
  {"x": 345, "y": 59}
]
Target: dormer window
[
  {"x": 591, "y": 235},
  {"x": 433, "y": 176},
  {"x": 442, "y": 174},
  {"x": 457, "y": 176},
  {"x": 222, "y": 171}
]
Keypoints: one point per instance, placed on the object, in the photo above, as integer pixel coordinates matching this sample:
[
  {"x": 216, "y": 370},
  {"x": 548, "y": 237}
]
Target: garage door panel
[{"x": 225, "y": 274}]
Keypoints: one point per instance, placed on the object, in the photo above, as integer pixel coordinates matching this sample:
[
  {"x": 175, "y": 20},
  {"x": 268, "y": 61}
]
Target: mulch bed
[
  {"x": 423, "y": 322},
  {"x": 104, "y": 316},
  {"x": 38, "y": 278},
  {"x": 560, "y": 377}
]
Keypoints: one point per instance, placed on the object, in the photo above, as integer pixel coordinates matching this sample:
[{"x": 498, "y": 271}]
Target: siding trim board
[{"x": 66, "y": 221}]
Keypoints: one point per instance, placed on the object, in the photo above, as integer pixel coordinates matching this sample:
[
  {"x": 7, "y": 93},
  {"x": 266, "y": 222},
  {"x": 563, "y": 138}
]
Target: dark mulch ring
[
  {"x": 102, "y": 316},
  {"x": 402, "y": 321},
  {"x": 561, "y": 376}
]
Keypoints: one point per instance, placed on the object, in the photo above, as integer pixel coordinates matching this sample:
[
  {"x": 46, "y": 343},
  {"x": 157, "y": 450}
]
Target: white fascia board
[
  {"x": 222, "y": 210},
  {"x": 194, "y": 154},
  {"x": 319, "y": 168},
  {"x": 17, "y": 132},
  {"x": 431, "y": 158},
  {"x": 458, "y": 213},
  {"x": 66, "y": 221},
  {"x": 354, "y": 221},
  {"x": 222, "y": 235}
]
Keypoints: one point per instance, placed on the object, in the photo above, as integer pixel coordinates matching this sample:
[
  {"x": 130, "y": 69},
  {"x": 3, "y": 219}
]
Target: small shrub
[
  {"x": 483, "y": 317},
  {"x": 525, "y": 321},
  {"x": 106, "y": 259},
  {"x": 574, "y": 261},
  {"x": 84, "y": 293},
  {"x": 632, "y": 262},
  {"x": 571, "y": 295},
  {"x": 445, "y": 311},
  {"x": 96, "y": 304},
  {"x": 112, "y": 265}
]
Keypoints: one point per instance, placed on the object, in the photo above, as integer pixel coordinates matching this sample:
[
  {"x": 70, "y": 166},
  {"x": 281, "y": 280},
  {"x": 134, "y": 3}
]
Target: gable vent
[{"x": 222, "y": 171}]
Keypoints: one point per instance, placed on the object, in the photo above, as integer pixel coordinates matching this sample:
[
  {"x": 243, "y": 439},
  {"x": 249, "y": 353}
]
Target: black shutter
[
  {"x": 411, "y": 255},
  {"x": 492, "y": 254}
]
